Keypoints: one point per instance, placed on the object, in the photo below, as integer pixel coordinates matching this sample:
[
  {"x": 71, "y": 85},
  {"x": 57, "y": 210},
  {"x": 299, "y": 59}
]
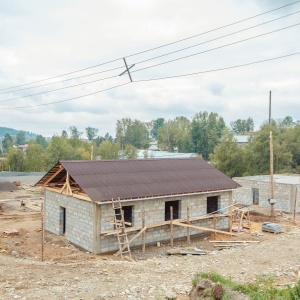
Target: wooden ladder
[{"x": 121, "y": 228}]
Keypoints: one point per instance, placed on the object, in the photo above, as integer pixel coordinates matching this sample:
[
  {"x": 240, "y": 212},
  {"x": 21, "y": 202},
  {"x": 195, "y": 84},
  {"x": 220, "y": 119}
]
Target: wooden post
[
  {"x": 295, "y": 201},
  {"x": 230, "y": 212},
  {"x": 144, "y": 233},
  {"x": 43, "y": 232},
  {"x": 171, "y": 226},
  {"x": 215, "y": 227},
  {"x": 188, "y": 238},
  {"x": 249, "y": 221}
]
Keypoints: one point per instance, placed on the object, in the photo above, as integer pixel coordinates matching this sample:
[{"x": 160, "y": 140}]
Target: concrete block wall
[
  {"x": 79, "y": 218},
  {"x": 155, "y": 213},
  {"x": 284, "y": 194}
]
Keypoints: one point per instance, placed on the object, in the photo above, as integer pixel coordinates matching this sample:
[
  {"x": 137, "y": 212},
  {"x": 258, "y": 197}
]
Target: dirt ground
[{"x": 70, "y": 273}]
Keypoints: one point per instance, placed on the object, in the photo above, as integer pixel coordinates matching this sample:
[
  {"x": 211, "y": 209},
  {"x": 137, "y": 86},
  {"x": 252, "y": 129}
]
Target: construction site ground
[{"x": 70, "y": 273}]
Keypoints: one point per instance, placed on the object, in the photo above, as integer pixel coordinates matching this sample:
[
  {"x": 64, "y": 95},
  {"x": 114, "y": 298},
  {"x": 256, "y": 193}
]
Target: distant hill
[{"x": 13, "y": 132}]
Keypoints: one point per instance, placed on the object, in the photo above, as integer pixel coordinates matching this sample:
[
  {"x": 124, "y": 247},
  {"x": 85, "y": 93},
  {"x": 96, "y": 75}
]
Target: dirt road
[{"x": 69, "y": 273}]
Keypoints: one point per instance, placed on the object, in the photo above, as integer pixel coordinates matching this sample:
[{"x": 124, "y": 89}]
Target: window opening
[
  {"x": 62, "y": 220},
  {"x": 127, "y": 210},
  {"x": 212, "y": 204},
  {"x": 175, "y": 205},
  {"x": 255, "y": 195}
]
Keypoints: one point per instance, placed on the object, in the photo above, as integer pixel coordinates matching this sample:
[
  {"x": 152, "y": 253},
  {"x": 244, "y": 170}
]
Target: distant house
[
  {"x": 163, "y": 154},
  {"x": 78, "y": 198},
  {"x": 21, "y": 147},
  {"x": 242, "y": 140},
  {"x": 256, "y": 190}
]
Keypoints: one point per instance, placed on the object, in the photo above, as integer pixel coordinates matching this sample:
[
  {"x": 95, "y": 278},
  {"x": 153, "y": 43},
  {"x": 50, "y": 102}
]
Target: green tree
[
  {"x": 91, "y": 133},
  {"x": 7, "y": 142},
  {"x": 109, "y": 150},
  {"x": 41, "y": 141},
  {"x": 157, "y": 124},
  {"x": 64, "y": 134},
  {"x": 229, "y": 157},
  {"x": 175, "y": 134},
  {"x": 74, "y": 132},
  {"x": 34, "y": 158},
  {"x": 166, "y": 136},
  {"x": 288, "y": 122},
  {"x": 130, "y": 152},
  {"x": 206, "y": 132},
  {"x": 242, "y": 125},
  {"x": 21, "y": 138},
  {"x": 132, "y": 132},
  {"x": 258, "y": 152},
  {"x": 15, "y": 160},
  {"x": 58, "y": 149}
]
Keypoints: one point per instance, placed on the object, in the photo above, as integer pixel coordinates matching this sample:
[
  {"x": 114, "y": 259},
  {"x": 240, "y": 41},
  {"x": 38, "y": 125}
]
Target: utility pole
[{"x": 272, "y": 202}]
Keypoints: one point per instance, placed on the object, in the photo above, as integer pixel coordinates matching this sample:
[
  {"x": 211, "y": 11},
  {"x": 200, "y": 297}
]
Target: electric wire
[
  {"x": 166, "y": 62},
  {"x": 65, "y": 100},
  {"x": 59, "y": 89},
  {"x": 212, "y": 49},
  {"x": 155, "y": 48},
  {"x": 195, "y": 45},
  {"x": 220, "y": 69},
  {"x": 212, "y": 30},
  {"x": 226, "y": 35},
  {"x": 176, "y": 76},
  {"x": 32, "y": 87}
]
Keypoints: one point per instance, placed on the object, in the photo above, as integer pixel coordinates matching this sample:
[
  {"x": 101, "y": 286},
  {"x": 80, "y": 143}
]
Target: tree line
[{"x": 205, "y": 134}]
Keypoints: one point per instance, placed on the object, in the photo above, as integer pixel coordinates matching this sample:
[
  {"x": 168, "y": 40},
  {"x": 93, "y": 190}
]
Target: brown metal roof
[{"x": 103, "y": 180}]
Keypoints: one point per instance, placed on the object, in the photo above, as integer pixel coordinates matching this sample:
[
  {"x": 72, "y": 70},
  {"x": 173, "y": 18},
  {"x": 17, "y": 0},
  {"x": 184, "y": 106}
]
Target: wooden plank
[
  {"x": 144, "y": 233},
  {"x": 234, "y": 241},
  {"x": 133, "y": 238},
  {"x": 153, "y": 225},
  {"x": 203, "y": 228},
  {"x": 188, "y": 237},
  {"x": 171, "y": 227},
  {"x": 56, "y": 190}
]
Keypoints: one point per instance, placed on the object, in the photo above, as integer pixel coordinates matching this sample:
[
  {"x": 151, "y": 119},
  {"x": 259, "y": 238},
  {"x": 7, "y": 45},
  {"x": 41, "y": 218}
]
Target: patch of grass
[{"x": 263, "y": 289}]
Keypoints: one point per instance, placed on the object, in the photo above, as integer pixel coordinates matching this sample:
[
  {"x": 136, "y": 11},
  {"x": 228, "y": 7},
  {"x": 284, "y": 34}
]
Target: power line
[
  {"x": 226, "y": 35},
  {"x": 155, "y": 48},
  {"x": 143, "y": 80},
  {"x": 105, "y": 63},
  {"x": 220, "y": 69},
  {"x": 212, "y": 49},
  {"x": 74, "y": 98},
  {"x": 122, "y": 67},
  {"x": 32, "y": 87},
  {"x": 55, "y": 90},
  {"x": 212, "y": 30},
  {"x": 166, "y": 62}
]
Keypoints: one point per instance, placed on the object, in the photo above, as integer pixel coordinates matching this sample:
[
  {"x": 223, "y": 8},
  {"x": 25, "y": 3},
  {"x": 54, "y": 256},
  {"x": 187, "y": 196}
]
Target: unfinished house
[
  {"x": 159, "y": 197},
  {"x": 256, "y": 190}
]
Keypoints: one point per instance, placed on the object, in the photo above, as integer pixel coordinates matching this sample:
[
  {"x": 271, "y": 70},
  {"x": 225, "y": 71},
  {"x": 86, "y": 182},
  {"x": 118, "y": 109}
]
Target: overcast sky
[{"x": 44, "y": 39}]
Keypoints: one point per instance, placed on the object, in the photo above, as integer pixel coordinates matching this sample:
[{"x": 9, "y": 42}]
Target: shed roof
[{"x": 103, "y": 180}]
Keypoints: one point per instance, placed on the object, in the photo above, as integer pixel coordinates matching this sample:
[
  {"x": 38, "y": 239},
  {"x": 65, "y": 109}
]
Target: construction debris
[
  {"x": 271, "y": 227},
  {"x": 186, "y": 251},
  {"x": 11, "y": 232}
]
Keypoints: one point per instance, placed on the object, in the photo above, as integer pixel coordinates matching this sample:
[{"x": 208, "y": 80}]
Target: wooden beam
[
  {"x": 144, "y": 233},
  {"x": 188, "y": 237},
  {"x": 234, "y": 241},
  {"x": 56, "y": 173},
  {"x": 202, "y": 228},
  {"x": 153, "y": 225},
  {"x": 78, "y": 196},
  {"x": 133, "y": 238}
]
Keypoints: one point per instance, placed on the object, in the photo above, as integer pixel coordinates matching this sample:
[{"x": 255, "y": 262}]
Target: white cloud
[{"x": 44, "y": 39}]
